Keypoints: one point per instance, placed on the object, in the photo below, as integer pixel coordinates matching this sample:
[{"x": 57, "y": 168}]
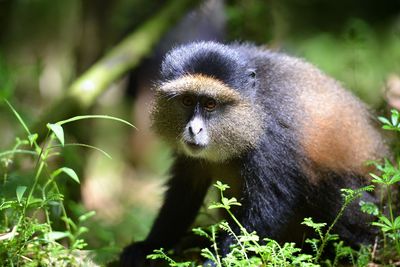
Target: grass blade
[
  {"x": 84, "y": 117},
  {"x": 19, "y": 118}
]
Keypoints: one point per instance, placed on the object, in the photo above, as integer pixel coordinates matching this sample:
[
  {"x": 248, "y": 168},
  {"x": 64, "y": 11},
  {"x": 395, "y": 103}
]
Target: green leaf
[
  {"x": 19, "y": 118},
  {"x": 20, "y": 192},
  {"x": 383, "y": 227},
  {"x": 376, "y": 179},
  {"x": 385, "y": 220},
  {"x": 200, "y": 232},
  {"x": 55, "y": 235},
  {"x": 384, "y": 120},
  {"x": 221, "y": 186},
  {"x": 58, "y": 131},
  {"x": 84, "y": 117},
  {"x": 249, "y": 238},
  {"x": 396, "y": 223},
  {"x": 82, "y": 230},
  {"x": 369, "y": 208},
  {"x": 395, "y": 178},
  {"x": 68, "y": 171},
  {"x": 86, "y": 216},
  {"x": 8, "y": 204},
  {"x": 388, "y": 127},
  {"x": 71, "y": 173},
  {"x": 35, "y": 202},
  {"x": 89, "y": 146},
  {"x": 225, "y": 201},
  {"x": 32, "y": 138},
  {"x": 216, "y": 205},
  {"x": 17, "y": 151},
  {"x": 310, "y": 223},
  {"x": 395, "y": 118},
  {"x": 206, "y": 253}
]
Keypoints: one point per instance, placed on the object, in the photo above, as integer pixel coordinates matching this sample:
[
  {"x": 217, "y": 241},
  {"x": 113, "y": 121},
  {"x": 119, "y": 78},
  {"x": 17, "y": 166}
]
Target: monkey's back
[
  {"x": 322, "y": 137},
  {"x": 333, "y": 128}
]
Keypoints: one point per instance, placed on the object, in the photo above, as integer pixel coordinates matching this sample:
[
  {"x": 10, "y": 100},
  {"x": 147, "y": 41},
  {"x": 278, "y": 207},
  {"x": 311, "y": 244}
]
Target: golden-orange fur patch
[
  {"x": 200, "y": 85},
  {"x": 336, "y": 129}
]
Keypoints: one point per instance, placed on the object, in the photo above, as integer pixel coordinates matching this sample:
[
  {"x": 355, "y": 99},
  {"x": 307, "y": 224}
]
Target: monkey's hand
[{"x": 135, "y": 254}]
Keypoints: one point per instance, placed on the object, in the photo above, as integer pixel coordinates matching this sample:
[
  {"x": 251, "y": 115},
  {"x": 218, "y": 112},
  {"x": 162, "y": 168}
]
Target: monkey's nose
[
  {"x": 195, "y": 131},
  {"x": 195, "y": 126}
]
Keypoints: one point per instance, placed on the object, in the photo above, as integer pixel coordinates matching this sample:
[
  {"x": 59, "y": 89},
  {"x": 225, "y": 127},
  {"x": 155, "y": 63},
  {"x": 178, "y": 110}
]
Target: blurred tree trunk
[
  {"x": 126, "y": 55},
  {"x": 94, "y": 31},
  {"x": 5, "y": 14}
]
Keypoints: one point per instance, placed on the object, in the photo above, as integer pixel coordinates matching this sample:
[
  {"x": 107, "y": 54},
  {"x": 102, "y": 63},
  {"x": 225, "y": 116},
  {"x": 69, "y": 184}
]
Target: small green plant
[
  {"x": 393, "y": 124},
  {"x": 319, "y": 244},
  {"x": 160, "y": 254},
  {"x": 388, "y": 179},
  {"x": 389, "y": 225},
  {"x": 28, "y": 214},
  {"x": 387, "y": 219},
  {"x": 249, "y": 250}
]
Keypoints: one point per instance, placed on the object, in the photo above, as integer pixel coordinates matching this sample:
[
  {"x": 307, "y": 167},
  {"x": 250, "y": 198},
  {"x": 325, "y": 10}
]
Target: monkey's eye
[
  {"x": 188, "y": 101},
  {"x": 210, "y": 104}
]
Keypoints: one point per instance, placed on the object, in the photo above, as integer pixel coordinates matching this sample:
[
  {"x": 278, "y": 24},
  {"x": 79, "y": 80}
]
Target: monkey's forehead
[{"x": 200, "y": 85}]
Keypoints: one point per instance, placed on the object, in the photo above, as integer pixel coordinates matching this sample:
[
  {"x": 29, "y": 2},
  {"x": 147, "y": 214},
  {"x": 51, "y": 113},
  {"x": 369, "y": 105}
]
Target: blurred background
[{"x": 45, "y": 45}]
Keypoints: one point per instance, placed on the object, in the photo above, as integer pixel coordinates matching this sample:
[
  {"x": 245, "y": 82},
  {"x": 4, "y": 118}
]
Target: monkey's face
[{"x": 203, "y": 118}]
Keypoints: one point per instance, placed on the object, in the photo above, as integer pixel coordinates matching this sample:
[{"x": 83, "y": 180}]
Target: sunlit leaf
[
  {"x": 86, "y": 216},
  {"x": 20, "y": 192},
  {"x": 56, "y": 235},
  {"x": 384, "y": 120},
  {"x": 369, "y": 208},
  {"x": 376, "y": 179},
  {"x": 396, "y": 223},
  {"x": 84, "y": 117},
  {"x": 19, "y": 118},
  {"x": 395, "y": 118},
  {"x": 32, "y": 138},
  {"x": 221, "y": 186},
  {"x": 70, "y": 172},
  {"x": 58, "y": 131}
]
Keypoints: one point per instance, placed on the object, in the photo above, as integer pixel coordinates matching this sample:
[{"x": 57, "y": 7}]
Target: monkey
[{"x": 288, "y": 135}]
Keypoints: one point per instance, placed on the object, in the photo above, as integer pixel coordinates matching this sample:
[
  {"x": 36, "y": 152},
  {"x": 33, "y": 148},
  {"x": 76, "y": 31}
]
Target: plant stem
[
  {"x": 215, "y": 247},
  {"x": 389, "y": 193},
  {"x": 326, "y": 236},
  {"x": 241, "y": 227},
  {"x": 396, "y": 238}
]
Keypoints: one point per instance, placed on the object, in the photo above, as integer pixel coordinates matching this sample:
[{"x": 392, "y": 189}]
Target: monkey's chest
[{"x": 228, "y": 174}]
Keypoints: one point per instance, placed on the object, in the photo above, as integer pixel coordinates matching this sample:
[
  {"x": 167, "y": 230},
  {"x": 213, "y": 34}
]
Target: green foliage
[
  {"x": 35, "y": 229},
  {"x": 354, "y": 56},
  {"x": 160, "y": 254},
  {"x": 393, "y": 124},
  {"x": 387, "y": 219},
  {"x": 249, "y": 250},
  {"x": 389, "y": 176}
]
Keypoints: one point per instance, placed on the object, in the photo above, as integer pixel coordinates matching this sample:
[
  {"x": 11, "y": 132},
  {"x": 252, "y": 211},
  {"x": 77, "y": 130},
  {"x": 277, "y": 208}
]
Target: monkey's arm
[{"x": 183, "y": 199}]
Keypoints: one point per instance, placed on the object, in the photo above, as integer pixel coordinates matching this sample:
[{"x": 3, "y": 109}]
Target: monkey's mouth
[{"x": 194, "y": 147}]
